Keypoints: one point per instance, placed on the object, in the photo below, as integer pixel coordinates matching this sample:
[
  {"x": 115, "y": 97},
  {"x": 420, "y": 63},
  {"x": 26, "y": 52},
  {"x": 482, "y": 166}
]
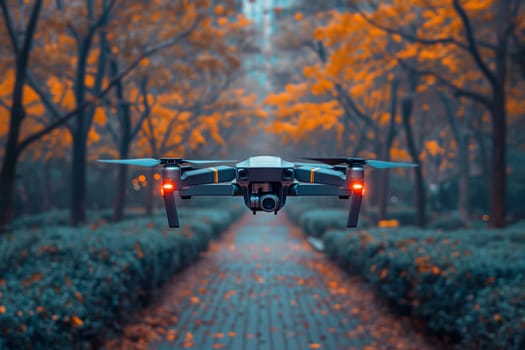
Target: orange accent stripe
[
  {"x": 216, "y": 174},
  {"x": 312, "y": 174}
]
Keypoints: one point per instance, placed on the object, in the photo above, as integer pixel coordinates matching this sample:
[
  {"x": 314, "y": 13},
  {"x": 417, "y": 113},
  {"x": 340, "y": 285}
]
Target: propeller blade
[
  {"x": 206, "y": 162},
  {"x": 138, "y": 162},
  {"x": 313, "y": 165},
  {"x": 337, "y": 160},
  {"x": 381, "y": 164}
]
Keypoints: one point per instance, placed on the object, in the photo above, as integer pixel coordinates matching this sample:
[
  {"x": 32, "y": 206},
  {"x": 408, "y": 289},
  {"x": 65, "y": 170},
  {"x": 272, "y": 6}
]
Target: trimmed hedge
[
  {"x": 66, "y": 288},
  {"x": 295, "y": 208},
  {"x": 61, "y": 217},
  {"x": 466, "y": 284},
  {"x": 405, "y": 215},
  {"x": 315, "y": 222},
  {"x": 449, "y": 223},
  {"x": 453, "y": 280},
  {"x": 315, "y": 219},
  {"x": 497, "y": 320}
]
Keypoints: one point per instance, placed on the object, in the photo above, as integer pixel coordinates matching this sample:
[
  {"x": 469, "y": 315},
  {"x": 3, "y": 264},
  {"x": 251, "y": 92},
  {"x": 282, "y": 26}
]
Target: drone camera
[{"x": 269, "y": 202}]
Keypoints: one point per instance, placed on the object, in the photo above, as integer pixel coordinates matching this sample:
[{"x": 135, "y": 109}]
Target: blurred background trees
[
  {"x": 454, "y": 66},
  {"x": 438, "y": 82}
]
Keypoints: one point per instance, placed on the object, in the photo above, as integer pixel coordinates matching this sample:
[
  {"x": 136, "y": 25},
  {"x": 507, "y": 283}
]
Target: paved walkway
[{"x": 263, "y": 287}]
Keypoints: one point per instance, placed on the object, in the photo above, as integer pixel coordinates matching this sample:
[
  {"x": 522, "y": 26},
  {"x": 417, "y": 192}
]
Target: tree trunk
[
  {"x": 78, "y": 175},
  {"x": 486, "y": 171},
  {"x": 372, "y": 192},
  {"x": 124, "y": 118},
  {"x": 406, "y": 111},
  {"x": 463, "y": 161},
  {"x": 464, "y": 177},
  {"x": 46, "y": 186},
  {"x": 17, "y": 113},
  {"x": 498, "y": 184},
  {"x": 8, "y": 172},
  {"x": 122, "y": 184},
  {"x": 385, "y": 174},
  {"x": 150, "y": 193}
]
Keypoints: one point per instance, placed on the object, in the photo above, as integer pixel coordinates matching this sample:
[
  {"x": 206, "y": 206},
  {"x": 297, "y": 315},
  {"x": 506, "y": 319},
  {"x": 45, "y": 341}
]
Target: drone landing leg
[
  {"x": 171, "y": 209},
  {"x": 353, "y": 212}
]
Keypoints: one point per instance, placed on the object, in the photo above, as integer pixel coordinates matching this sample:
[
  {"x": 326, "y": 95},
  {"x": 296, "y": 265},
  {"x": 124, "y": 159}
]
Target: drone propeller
[
  {"x": 206, "y": 162},
  {"x": 149, "y": 162},
  {"x": 380, "y": 164},
  {"x": 315, "y": 165},
  {"x": 137, "y": 162}
]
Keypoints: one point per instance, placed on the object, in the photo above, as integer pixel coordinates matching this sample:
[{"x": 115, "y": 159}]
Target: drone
[{"x": 264, "y": 182}]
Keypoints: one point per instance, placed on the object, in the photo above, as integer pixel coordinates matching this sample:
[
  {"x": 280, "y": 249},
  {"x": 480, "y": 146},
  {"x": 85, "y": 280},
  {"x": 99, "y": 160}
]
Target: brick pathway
[{"x": 263, "y": 287}]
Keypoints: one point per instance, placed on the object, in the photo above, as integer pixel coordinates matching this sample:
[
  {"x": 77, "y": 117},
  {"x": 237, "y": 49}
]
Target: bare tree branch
[
  {"x": 408, "y": 36},
  {"x": 459, "y": 91},
  {"x": 9, "y": 26},
  {"x": 419, "y": 40},
  {"x": 147, "y": 108},
  {"x": 5, "y": 105},
  {"x": 73, "y": 31},
  {"x": 93, "y": 100},
  {"x": 472, "y": 45},
  {"x": 46, "y": 99},
  {"x": 111, "y": 128}
]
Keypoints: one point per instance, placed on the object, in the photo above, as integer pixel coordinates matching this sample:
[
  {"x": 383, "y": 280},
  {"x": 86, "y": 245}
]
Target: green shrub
[
  {"x": 448, "y": 223},
  {"x": 405, "y": 215},
  {"x": 65, "y": 288},
  {"x": 496, "y": 318},
  {"x": 438, "y": 275},
  {"x": 315, "y": 222},
  {"x": 295, "y": 209}
]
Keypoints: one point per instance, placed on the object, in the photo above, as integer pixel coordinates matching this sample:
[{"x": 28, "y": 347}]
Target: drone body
[{"x": 264, "y": 182}]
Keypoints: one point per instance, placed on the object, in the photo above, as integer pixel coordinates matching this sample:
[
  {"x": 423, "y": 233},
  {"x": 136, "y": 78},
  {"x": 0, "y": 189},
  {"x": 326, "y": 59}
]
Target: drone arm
[
  {"x": 211, "y": 175},
  {"x": 170, "y": 176},
  {"x": 353, "y": 211},
  {"x": 171, "y": 209},
  {"x": 320, "y": 175},
  {"x": 355, "y": 175},
  {"x": 212, "y": 190},
  {"x": 316, "y": 190}
]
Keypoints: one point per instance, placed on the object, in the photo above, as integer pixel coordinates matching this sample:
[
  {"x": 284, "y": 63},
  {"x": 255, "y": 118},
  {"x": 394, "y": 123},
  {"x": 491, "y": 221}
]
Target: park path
[{"x": 263, "y": 287}]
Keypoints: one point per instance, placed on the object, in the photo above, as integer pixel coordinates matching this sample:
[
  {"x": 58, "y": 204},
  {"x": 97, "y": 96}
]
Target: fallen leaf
[
  {"x": 76, "y": 321},
  {"x": 229, "y": 294}
]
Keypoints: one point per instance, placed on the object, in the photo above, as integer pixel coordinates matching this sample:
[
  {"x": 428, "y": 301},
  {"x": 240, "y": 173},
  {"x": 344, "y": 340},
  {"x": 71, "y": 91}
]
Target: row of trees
[
  {"x": 436, "y": 82},
  {"x": 109, "y": 73}
]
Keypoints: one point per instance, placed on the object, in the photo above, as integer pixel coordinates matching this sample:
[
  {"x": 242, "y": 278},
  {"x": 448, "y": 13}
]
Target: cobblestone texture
[{"x": 262, "y": 286}]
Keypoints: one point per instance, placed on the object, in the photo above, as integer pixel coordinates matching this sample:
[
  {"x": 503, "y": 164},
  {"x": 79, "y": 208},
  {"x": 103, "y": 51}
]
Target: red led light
[
  {"x": 357, "y": 186},
  {"x": 167, "y": 187}
]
